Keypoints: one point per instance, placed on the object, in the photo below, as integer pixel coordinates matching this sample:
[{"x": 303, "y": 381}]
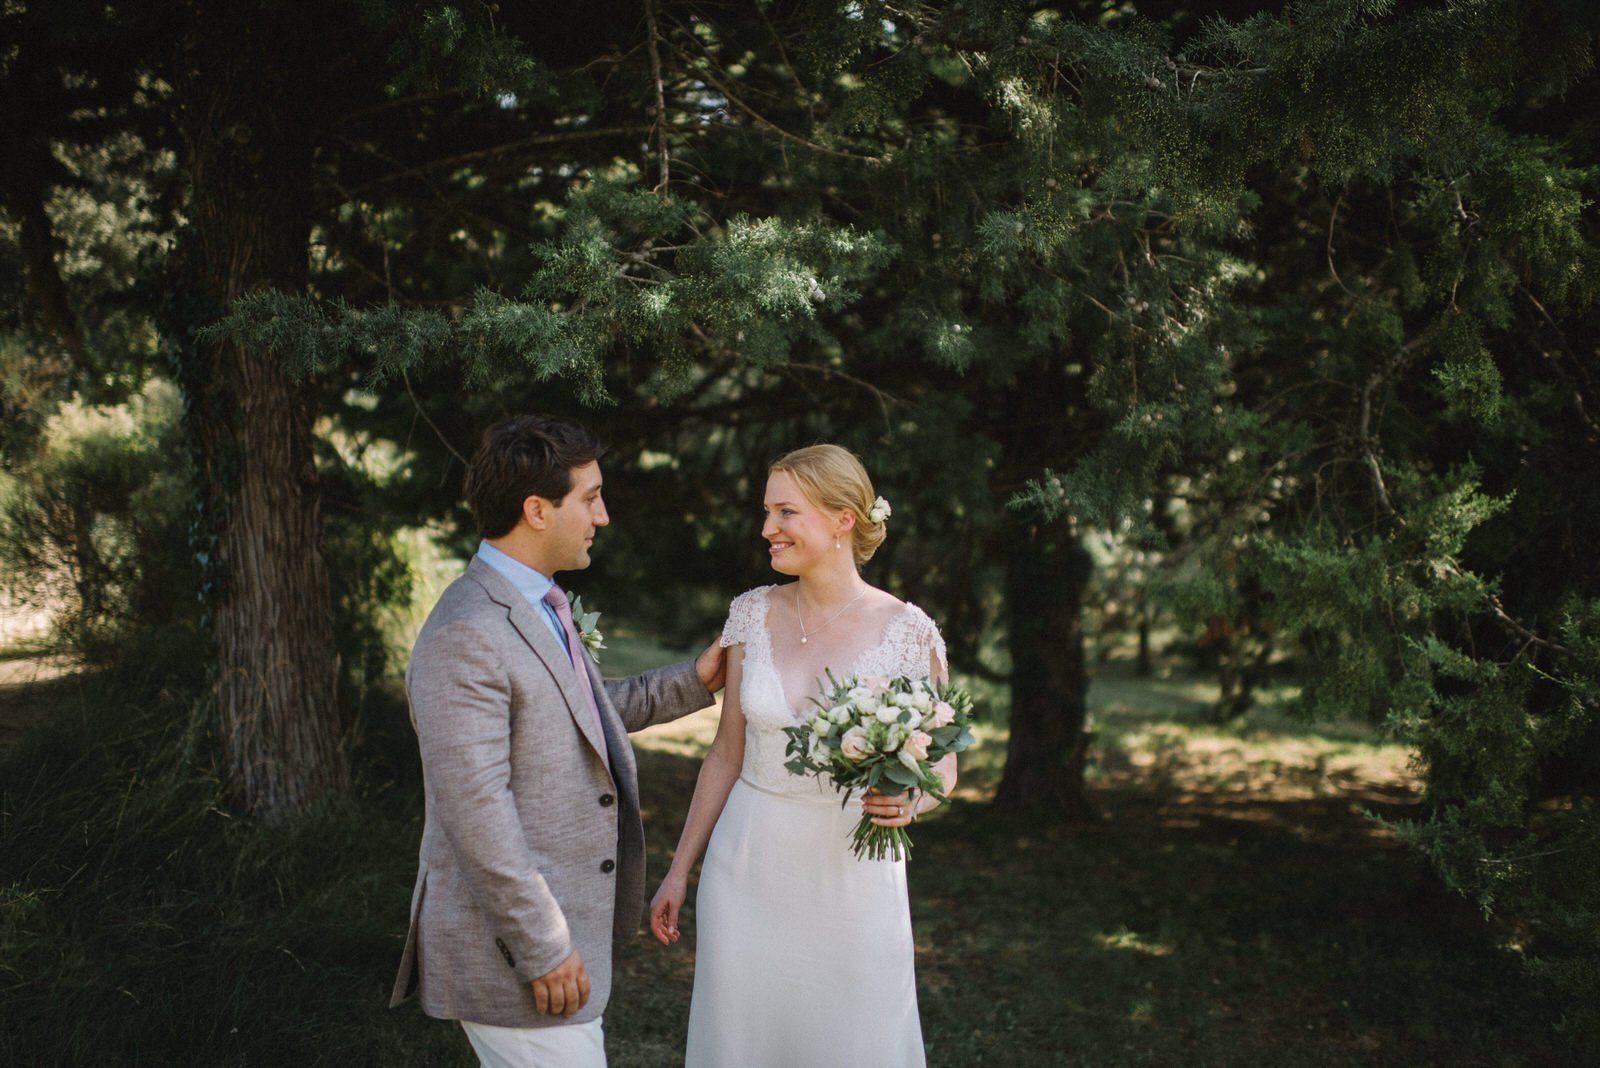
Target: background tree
[
  {"x": 264, "y": 106},
  {"x": 1401, "y": 366}
]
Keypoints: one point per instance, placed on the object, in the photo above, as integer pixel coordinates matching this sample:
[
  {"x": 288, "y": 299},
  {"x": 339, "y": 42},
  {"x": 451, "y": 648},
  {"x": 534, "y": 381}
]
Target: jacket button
[
  {"x": 608, "y": 865},
  {"x": 606, "y": 800}
]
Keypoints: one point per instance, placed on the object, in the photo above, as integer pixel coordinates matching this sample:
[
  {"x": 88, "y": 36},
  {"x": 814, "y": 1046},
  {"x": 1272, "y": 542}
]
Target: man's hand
[
  {"x": 712, "y": 666},
  {"x": 562, "y": 990}
]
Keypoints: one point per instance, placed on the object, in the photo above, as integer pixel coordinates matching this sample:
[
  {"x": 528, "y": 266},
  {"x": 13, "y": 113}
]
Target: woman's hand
[
  {"x": 889, "y": 810},
  {"x": 664, "y": 908}
]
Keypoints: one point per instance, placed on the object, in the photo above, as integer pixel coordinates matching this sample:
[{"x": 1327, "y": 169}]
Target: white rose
[
  {"x": 855, "y": 745},
  {"x": 899, "y": 733},
  {"x": 820, "y": 727},
  {"x": 887, "y": 713}
]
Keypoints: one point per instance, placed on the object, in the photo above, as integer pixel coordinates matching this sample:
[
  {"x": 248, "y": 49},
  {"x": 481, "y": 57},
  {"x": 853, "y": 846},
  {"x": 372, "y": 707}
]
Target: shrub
[{"x": 92, "y": 527}]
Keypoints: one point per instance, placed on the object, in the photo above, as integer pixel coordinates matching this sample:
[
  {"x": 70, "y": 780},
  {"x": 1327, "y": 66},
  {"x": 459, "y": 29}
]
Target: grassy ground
[{"x": 1235, "y": 907}]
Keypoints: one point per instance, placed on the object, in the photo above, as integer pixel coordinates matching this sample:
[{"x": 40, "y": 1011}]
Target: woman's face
[{"x": 799, "y": 534}]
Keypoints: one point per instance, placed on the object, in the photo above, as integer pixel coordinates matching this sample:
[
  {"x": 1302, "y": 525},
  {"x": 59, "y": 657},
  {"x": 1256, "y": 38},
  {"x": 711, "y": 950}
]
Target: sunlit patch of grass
[
  {"x": 1122, "y": 938},
  {"x": 1159, "y": 732}
]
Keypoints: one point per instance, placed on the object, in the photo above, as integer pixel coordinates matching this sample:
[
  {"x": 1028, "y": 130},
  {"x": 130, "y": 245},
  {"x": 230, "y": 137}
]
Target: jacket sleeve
[{"x": 658, "y": 696}]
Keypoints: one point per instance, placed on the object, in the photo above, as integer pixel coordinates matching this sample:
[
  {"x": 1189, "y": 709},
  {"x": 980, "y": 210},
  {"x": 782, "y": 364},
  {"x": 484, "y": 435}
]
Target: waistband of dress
[{"x": 817, "y": 798}]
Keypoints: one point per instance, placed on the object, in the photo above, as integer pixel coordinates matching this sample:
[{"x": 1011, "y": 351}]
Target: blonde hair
[{"x": 833, "y": 479}]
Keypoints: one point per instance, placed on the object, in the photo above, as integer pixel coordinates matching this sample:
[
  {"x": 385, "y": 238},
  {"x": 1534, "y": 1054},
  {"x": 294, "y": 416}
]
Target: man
[{"x": 532, "y": 859}]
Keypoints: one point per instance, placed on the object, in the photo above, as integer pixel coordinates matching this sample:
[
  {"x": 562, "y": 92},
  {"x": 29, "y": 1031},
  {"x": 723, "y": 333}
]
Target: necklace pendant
[{"x": 802, "y": 641}]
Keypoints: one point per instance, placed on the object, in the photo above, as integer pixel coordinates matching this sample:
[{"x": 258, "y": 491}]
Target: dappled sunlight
[
  {"x": 1206, "y": 778},
  {"x": 1124, "y": 939},
  {"x": 1183, "y": 760}
]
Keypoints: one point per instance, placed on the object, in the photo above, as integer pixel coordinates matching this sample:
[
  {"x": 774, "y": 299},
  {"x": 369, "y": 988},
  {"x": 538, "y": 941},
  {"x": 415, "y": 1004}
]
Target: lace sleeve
[
  {"x": 929, "y": 637},
  {"x": 746, "y": 613},
  {"x": 907, "y": 644}
]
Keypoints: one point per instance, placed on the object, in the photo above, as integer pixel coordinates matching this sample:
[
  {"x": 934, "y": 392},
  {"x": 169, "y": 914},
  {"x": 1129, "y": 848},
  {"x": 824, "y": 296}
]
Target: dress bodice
[{"x": 903, "y": 649}]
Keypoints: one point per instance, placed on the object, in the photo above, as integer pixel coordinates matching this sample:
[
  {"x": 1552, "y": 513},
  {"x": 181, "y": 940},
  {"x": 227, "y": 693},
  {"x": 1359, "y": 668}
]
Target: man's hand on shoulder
[
  {"x": 562, "y": 990},
  {"x": 712, "y": 666}
]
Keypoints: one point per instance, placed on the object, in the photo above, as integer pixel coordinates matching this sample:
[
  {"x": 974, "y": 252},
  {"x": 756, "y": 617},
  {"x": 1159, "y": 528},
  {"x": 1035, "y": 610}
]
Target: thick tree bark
[
  {"x": 1046, "y": 573},
  {"x": 250, "y": 424}
]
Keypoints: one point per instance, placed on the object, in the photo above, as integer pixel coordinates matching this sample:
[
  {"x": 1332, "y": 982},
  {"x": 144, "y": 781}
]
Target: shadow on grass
[
  {"x": 141, "y": 923},
  {"x": 27, "y": 699},
  {"x": 1202, "y": 929}
]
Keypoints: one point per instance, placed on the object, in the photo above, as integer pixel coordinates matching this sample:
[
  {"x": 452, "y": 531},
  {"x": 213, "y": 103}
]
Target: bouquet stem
[{"x": 874, "y": 842}]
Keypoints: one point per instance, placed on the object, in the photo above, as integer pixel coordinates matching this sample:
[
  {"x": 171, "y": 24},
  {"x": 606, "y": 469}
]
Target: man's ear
[{"x": 536, "y": 512}]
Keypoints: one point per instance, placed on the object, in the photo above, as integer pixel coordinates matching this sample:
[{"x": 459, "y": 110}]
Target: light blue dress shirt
[{"x": 530, "y": 583}]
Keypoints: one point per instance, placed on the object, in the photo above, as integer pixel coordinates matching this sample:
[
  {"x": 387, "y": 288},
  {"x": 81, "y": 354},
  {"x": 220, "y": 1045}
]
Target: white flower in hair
[{"x": 879, "y": 511}]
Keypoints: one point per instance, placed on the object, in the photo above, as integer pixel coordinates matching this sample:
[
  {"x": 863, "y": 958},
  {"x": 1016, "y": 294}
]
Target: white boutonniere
[{"x": 593, "y": 640}]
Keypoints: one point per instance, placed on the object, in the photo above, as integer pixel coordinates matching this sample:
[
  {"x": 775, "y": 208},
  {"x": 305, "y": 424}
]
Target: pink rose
[
  {"x": 917, "y": 745},
  {"x": 943, "y": 715}
]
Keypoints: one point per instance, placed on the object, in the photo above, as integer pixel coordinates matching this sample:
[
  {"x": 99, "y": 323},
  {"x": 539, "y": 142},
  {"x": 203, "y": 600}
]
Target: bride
[{"x": 804, "y": 953}]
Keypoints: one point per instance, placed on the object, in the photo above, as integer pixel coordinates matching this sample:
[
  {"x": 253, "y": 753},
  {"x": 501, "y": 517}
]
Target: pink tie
[{"x": 558, "y": 600}]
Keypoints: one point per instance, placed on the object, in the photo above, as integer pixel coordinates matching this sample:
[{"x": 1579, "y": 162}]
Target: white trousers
[{"x": 562, "y": 1046}]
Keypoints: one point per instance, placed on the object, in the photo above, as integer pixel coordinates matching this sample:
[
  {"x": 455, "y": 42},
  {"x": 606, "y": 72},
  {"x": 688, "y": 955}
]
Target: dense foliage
[{"x": 1298, "y": 300}]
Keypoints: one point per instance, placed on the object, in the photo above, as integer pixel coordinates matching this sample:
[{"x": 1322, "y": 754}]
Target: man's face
[{"x": 572, "y": 523}]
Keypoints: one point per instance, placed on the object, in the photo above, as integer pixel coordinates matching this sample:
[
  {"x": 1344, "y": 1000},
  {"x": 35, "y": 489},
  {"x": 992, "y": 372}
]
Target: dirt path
[{"x": 28, "y": 684}]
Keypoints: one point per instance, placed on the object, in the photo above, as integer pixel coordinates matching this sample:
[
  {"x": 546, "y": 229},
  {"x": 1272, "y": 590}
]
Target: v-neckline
[{"x": 772, "y": 656}]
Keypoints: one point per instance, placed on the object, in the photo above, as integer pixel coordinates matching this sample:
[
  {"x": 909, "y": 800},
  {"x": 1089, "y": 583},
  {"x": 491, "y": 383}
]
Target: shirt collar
[{"x": 530, "y": 583}]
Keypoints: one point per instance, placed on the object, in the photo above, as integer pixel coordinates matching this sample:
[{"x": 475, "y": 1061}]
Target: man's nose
[{"x": 600, "y": 517}]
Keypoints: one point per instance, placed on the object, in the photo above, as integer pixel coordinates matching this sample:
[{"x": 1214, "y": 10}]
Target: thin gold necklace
[{"x": 800, "y": 614}]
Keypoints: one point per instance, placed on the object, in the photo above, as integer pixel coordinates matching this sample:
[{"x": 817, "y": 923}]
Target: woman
[{"x": 804, "y": 954}]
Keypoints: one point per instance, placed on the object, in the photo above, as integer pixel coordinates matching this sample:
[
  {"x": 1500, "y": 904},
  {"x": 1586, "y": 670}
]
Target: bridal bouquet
[{"x": 883, "y": 733}]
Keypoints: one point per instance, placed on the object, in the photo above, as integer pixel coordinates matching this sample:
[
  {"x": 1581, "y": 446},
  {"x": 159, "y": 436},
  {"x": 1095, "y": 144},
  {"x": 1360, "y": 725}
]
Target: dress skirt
[{"x": 804, "y": 956}]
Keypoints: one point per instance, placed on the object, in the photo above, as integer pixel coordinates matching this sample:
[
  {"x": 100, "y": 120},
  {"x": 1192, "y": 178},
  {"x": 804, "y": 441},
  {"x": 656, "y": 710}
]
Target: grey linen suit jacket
[{"x": 531, "y": 845}]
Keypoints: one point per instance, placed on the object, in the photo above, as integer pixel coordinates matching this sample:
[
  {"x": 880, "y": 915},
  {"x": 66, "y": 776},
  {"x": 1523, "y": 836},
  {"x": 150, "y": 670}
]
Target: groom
[{"x": 532, "y": 859}]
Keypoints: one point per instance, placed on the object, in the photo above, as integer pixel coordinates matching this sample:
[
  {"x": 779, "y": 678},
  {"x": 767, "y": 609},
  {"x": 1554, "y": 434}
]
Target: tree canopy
[{"x": 1298, "y": 298}]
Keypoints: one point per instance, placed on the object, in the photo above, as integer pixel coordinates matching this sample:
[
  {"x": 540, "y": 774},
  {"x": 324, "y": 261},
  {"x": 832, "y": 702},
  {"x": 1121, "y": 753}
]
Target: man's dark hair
[{"x": 526, "y": 456}]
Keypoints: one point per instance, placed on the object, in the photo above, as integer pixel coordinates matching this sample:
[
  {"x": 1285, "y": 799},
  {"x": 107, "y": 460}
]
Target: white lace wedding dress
[{"x": 804, "y": 955}]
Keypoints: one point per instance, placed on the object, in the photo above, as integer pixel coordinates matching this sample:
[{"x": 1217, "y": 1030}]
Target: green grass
[{"x": 1235, "y": 908}]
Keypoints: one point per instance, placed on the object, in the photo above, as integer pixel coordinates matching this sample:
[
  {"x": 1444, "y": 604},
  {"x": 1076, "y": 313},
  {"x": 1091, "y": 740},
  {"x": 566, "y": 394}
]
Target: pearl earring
[{"x": 835, "y": 543}]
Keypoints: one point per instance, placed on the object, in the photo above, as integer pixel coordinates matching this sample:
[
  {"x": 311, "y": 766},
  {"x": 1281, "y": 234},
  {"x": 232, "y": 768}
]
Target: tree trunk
[
  {"x": 1143, "y": 664},
  {"x": 1046, "y": 573},
  {"x": 21, "y": 178},
  {"x": 249, "y": 424}
]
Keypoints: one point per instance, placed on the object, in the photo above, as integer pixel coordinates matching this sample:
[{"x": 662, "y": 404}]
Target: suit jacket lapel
[{"x": 550, "y": 650}]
